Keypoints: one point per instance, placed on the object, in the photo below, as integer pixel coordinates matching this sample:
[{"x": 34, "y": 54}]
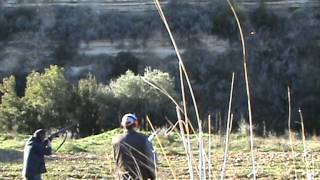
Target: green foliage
[
  {"x": 51, "y": 102},
  {"x": 14, "y": 112},
  {"x": 12, "y": 141},
  {"x": 128, "y": 86},
  {"x": 158, "y": 106},
  {"x": 136, "y": 96},
  {"x": 11, "y": 105},
  {"x": 224, "y": 23},
  {"x": 49, "y": 95},
  {"x": 87, "y": 109},
  {"x": 108, "y": 109}
]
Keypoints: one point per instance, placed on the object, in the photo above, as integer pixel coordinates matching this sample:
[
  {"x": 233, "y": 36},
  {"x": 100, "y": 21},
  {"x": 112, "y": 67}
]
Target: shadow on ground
[{"x": 9, "y": 155}]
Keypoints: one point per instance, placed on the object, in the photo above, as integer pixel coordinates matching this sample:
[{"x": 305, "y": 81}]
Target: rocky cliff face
[
  {"x": 77, "y": 33},
  {"x": 79, "y": 38},
  {"x": 43, "y": 28}
]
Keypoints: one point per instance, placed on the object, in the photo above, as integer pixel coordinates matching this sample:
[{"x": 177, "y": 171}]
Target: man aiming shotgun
[
  {"x": 33, "y": 158},
  {"x": 36, "y": 147}
]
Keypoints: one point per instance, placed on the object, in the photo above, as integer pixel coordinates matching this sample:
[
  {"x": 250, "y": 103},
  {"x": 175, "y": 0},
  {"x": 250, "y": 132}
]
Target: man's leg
[
  {"x": 34, "y": 177},
  {"x": 38, "y": 177}
]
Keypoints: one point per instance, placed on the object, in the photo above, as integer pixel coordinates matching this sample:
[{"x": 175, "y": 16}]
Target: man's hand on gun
[{"x": 47, "y": 142}]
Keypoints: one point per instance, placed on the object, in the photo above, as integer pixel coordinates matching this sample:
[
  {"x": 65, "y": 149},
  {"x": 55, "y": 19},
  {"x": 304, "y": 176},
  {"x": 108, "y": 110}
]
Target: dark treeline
[{"x": 283, "y": 49}]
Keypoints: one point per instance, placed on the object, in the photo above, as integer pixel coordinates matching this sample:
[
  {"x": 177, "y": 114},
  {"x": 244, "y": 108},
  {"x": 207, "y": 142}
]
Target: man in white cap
[{"x": 133, "y": 152}]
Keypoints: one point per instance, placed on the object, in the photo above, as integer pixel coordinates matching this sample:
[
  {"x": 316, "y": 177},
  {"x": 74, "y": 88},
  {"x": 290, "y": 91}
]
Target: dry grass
[{"x": 91, "y": 158}]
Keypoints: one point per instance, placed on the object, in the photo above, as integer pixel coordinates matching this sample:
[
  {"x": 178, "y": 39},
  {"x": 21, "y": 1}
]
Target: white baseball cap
[{"x": 128, "y": 120}]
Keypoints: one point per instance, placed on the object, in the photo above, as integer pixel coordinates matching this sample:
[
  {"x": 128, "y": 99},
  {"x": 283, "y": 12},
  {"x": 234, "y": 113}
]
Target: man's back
[{"x": 134, "y": 156}]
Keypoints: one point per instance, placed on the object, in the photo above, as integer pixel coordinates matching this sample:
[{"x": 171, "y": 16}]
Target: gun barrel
[{"x": 62, "y": 130}]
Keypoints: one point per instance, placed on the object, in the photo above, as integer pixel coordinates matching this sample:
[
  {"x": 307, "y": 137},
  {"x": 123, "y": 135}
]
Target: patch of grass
[
  {"x": 91, "y": 157},
  {"x": 13, "y": 141},
  {"x": 97, "y": 144}
]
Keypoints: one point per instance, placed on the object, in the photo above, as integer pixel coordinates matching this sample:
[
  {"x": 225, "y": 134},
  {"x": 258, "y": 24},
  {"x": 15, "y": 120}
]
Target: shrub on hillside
[
  {"x": 224, "y": 23},
  {"x": 264, "y": 19}
]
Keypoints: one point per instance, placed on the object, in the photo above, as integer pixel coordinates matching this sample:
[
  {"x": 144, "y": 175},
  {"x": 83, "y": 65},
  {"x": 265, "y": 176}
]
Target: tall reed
[
  {"x": 225, "y": 157},
  {"x": 184, "y": 140},
  {"x": 184, "y": 74},
  {"x": 164, "y": 92},
  {"x": 162, "y": 149},
  {"x": 247, "y": 88},
  {"x": 209, "y": 147},
  {"x": 290, "y": 134},
  {"x": 309, "y": 174}
]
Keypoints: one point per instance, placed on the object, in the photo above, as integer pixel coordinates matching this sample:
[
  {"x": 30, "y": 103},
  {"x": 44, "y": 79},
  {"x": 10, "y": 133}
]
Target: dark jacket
[
  {"x": 134, "y": 156},
  {"x": 33, "y": 158}
]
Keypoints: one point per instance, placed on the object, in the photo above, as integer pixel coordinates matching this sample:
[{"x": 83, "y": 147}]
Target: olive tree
[
  {"x": 135, "y": 95},
  {"x": 49, "y": 95}
]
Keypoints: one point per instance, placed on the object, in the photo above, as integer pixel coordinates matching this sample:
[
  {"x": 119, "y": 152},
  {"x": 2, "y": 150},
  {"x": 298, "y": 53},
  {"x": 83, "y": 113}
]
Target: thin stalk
[
  {"x": 163, "y": 91},
  {"x": 220, "y": 124},
  {"x": 189, "y": 150},
  {"x": 202, "y": 161},
  {"x": 209, "y": 148},
  {"x": 182, "y": 126},
  {"x": 172, "y": 128},
  {"x": 181, "y": 64},
  {"x": 248, "y": 90},
  {"x": 290, "y": 134},
  {"x": 155, "y": 164},
  {"x": 162, "y": 150},
  {"x": 304, "y": 145},
  {"x": 179, "y": 58},
  {"x": 231, "y": 121},
  {"x": 225, "y": 157}
]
